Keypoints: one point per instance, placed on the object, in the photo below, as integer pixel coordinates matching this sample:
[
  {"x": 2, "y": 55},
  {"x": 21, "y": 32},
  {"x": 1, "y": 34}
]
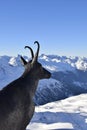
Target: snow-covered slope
[
  {"x": 69, "y": 76},
  {"x": 68, "y": 114},
  {"x": 10, "y": 69}
]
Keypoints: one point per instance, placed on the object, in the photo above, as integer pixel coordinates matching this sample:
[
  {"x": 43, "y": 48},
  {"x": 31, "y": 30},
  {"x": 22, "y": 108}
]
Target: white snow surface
[{"x": 67, "y": 114}]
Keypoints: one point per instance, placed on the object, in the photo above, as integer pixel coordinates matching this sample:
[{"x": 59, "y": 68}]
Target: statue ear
[{"x": 24, "y": 62}]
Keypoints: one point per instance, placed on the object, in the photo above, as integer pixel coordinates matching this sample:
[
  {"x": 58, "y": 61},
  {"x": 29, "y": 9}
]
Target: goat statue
[{"x": 16, "y": 99}]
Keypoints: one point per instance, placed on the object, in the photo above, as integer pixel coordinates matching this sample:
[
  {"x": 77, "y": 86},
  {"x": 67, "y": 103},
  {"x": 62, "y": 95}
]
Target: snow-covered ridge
[
  {"x": 63, "y": 63},
  {"x": 67, "y": 114},
  {"x": 51, "y": 62}
]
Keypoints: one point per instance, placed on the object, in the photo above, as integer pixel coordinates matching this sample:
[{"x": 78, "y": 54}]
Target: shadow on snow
[{"x": 77, "y": 120}]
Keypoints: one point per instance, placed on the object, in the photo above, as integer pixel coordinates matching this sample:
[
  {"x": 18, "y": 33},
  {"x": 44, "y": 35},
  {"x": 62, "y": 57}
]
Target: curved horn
[
  {"x": 32, "y": 54},
  {"x": 37, "y": 53},
  {"x": 23, "y": 60}
]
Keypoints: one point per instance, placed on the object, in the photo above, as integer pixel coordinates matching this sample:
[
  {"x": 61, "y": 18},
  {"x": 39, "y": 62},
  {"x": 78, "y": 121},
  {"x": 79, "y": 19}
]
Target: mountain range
[{"x": 69, "y": 76}]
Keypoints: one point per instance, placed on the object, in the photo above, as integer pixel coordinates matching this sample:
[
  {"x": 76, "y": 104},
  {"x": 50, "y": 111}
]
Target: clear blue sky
[{"x": 59, "y": 25}]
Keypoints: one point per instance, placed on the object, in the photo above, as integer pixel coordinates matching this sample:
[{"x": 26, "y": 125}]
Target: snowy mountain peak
[
  {"x": 12, "y": 61},
  {"x": 63, "y": 63}
]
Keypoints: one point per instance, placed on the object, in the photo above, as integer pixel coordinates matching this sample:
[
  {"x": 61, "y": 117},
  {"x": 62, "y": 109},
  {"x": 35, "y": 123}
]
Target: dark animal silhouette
[{"x": 16, "y": 99}]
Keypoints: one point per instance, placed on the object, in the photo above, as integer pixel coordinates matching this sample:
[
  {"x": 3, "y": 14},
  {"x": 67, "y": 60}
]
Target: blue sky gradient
[{"x": 59, "y": 25}]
